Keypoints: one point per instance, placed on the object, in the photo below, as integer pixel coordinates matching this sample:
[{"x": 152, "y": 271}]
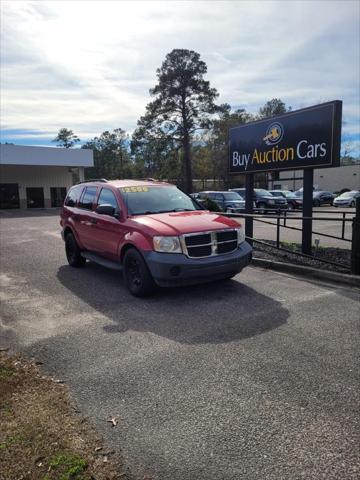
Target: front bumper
[
  {"x": 172, "y": 269},
  {"x": 274, "y": 207}
]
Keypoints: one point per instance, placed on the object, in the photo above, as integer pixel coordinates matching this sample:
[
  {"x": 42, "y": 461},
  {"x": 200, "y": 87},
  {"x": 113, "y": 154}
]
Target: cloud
[{"x": 90, "y": 68}]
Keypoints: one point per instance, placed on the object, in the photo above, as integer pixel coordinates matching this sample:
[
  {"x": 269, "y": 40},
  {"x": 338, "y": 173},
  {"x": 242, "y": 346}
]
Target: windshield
[
  {"x": 263, "y": 192},
  {"x": 233, "y": 196},
  {"x": 143, "y": 200},
  {"x": 287, "y": 193},
  {"x": 348, "y": 194}
]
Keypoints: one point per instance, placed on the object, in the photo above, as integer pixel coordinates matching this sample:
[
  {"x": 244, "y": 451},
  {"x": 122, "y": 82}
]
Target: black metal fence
[{"x": 283, "y": 220}]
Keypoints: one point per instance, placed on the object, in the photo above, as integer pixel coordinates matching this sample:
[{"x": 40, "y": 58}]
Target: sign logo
[{"x": 274, "y": 133}]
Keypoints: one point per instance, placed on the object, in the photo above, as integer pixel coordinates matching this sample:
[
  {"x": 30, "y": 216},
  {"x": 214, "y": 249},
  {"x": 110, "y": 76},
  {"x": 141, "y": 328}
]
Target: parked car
[
  {"x": 194, "y": 195},
  {"x": 292, "y": 200},
  {"x": 230, "y": 202},
  {"x": 322, "y": 198},
  {"x": 264, "y": 201},
  {"x": 347, "y": 199},
  {"x": 153, "y": 232}
]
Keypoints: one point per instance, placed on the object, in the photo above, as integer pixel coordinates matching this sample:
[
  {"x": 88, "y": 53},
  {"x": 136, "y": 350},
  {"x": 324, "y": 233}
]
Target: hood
[{"x": 178, "y": 223}]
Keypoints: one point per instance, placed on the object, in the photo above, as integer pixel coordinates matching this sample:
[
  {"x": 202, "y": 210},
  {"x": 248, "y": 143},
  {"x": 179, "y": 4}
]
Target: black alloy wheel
[
  {"x": 262, "y": 208},
  {"x": 137, "y": 276},
  {"x": 73, "y": 252}
]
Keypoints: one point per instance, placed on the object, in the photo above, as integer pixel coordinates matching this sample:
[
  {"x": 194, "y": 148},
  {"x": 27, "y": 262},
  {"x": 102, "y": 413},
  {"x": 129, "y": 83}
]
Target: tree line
[{"x": 182, "y": 135}]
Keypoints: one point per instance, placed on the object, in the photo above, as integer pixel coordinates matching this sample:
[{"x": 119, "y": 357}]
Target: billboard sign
[{"x": 306, "y": 138}]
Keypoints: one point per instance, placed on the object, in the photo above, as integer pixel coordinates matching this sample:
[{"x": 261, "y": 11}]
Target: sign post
[
  {"x": 302, "y": 139},
  {"x": 307, "y": 210},
  {"x": 249, "y": 206}
]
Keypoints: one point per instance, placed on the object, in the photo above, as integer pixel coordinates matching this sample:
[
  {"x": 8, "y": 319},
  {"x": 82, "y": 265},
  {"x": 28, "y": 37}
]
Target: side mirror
[{"x": 105, "y": 209}]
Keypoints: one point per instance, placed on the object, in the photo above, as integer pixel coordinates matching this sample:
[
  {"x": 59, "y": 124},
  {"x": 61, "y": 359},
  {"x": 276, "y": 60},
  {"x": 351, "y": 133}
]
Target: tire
[
  {"x": 73, "y": 252},
  {"x": 262, "y": 208},
  {"x": 137, "y": 276},
  {"x": 228, "y": 210},
  {"x": 353, "y": 204},
  {"x": 291, "y": 206},
  {"x": 316, "y": 203}
]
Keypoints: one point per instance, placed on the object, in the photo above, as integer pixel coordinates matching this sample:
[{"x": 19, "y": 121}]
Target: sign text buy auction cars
[{"x": 304, "y": 138}]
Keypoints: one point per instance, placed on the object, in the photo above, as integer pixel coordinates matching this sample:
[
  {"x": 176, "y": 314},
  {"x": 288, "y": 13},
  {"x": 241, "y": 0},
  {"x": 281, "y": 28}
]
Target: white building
[
  {"x": 328, "y": 179},
  {"x": 39, "y": 177}
]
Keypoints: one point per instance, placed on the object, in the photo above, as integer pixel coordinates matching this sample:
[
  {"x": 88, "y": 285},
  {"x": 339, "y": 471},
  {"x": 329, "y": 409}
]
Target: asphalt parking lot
[{"x": 254, "y": 378}]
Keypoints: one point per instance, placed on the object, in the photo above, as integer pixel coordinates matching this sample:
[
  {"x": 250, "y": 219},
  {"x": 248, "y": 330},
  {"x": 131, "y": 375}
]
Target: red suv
[{"x": 153, "y": 232}]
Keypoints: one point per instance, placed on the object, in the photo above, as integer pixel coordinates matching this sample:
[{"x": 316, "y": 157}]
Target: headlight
[
  {"x": 271, "y": 202},
  {"x": 167, "y": 244},
  {"x": 240, "y": 235}
]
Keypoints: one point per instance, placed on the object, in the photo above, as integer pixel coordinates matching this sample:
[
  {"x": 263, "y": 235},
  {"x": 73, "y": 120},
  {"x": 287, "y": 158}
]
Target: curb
[{"x": 336, "y": 277}]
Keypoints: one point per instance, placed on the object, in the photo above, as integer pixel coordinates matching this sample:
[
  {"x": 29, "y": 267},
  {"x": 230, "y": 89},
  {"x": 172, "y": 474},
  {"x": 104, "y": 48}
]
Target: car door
[
  {"x": 325, "y": 197},
  {"x": 220, "y": 200},
  {"x": 86, "y": 217},
  {"x": 108, "y": 231}
]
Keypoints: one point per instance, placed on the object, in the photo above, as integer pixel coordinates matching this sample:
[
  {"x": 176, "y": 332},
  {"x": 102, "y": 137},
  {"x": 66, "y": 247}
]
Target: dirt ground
[{"x": 41, "y": 434}]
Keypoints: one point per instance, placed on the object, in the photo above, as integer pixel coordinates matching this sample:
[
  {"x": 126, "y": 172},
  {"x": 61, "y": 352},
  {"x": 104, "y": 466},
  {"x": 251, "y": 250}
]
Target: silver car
[{"x": 347, "y": 199}]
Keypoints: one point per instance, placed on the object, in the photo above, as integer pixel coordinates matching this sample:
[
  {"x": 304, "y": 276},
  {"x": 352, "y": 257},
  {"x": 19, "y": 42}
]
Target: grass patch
[
  {"x": 67, "y": 466},
  {"x": 6, "y": 372},
  {"x": 11, "y": 440},
  {"x": 41, "y": 436},
  {"x": 296, "y": 247}
]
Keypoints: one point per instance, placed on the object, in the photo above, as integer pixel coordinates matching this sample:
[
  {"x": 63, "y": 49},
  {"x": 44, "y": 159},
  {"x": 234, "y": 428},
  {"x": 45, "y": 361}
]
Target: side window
[
  {"x": 88, "y": 198},
  {"x": 219, "y": 196},
  {"x": 107, "y": 197},
  {"x": 73, "y": 196}
]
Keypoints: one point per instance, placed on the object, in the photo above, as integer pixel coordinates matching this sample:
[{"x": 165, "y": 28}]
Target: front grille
[
  {"x": 198, "y": 240},
  {"x": 226, "y": 235},
  {"x": 208, "y": 244}
]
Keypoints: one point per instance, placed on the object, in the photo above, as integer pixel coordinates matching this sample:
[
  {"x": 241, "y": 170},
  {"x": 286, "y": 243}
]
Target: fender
[
  {"x": 140, "y": 241},
  {"x": 70, "y": 225}
]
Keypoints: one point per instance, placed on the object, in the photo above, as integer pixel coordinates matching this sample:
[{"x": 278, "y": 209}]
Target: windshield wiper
[
  {"x": 149, "y": 212},
  {"x": 182, "y": 210}
]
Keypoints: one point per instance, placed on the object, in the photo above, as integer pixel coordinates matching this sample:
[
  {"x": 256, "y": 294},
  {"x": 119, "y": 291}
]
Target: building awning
[{"x": 45, "y": 156}]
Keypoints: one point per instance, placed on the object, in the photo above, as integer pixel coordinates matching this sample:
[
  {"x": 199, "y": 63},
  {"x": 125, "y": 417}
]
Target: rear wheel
[
  {"x": 353, "y": 204},
  {"x": 316, "y": 203},
  {"x": 73, "y": 252},
  {"x": 291, "y": 206},
  {"x": 137, "y": 276}
]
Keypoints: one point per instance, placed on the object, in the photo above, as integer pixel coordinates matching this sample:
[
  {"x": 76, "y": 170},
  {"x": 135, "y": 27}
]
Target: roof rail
[{"x": 101, "y": 180}]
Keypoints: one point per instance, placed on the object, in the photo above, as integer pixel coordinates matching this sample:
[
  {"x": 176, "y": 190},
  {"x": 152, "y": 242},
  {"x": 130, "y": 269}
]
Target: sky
[{"x": 88, "y": 65}]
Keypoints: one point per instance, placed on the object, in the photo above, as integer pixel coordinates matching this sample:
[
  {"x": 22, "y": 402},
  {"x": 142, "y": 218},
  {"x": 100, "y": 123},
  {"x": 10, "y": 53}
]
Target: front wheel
[
  {"x": 316, "y": 203},
  {"x": 137, "y": 276},
  {"x": 73, "y": 252},
  {"x": 262, "y": 208},
  {"x": 291, "y": 206},
  {"x": 353, "y": 204}
]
